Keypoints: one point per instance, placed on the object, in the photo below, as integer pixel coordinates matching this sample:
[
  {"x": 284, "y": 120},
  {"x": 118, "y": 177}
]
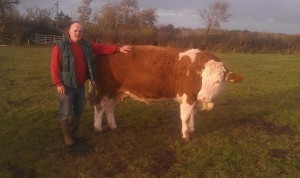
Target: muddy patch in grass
[
  {"x": 12, "y": 82},
  {"x": 163, "y": 161},
  {"x": 278, "y": 153},
  {"x": 267, "y": 126},
  {"x": 17, "y": 102},
  {"x": 80, "y": 148}
]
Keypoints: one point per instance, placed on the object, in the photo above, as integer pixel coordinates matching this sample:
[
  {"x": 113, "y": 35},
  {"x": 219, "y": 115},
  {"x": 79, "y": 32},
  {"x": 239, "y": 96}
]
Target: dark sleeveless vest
[{"x": 68, "y": 74}]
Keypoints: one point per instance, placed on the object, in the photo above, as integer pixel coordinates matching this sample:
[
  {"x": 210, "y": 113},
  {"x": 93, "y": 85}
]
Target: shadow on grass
[{"x": 17, "y": 172}]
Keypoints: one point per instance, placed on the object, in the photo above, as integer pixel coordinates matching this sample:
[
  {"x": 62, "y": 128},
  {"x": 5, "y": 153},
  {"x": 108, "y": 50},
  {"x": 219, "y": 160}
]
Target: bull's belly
[
  {"x": 203, "y": 106},
  {"x": 146, "y": 100}
]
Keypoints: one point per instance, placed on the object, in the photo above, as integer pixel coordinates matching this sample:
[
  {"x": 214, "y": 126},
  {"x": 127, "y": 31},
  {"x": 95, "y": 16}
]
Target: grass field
[{"x": 254, "y": 131}]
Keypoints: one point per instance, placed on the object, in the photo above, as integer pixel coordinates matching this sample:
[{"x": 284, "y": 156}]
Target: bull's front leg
[
  {"x": 192, "y": 122},
  {"x": 186, "y": 112}
]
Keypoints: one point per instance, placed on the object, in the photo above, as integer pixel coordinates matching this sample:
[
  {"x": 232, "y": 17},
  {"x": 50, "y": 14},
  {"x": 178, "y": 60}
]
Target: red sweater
[{"x": 80, "y": 62}]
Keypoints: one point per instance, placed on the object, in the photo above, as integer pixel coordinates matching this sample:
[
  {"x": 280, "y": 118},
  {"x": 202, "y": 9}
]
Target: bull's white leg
[
  {"x": 186, "y": 111},
  {"x": 98, "y": 115},
  {"x": 192, "y": 122},
  {"x": 109, "y": 111}
]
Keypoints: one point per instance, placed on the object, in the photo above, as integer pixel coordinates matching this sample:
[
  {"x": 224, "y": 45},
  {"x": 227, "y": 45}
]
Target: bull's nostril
[{"x": 202, "y": 98}]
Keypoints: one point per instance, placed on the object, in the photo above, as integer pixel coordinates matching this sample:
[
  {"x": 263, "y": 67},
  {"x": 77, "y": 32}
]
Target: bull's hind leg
[
  {"x": 192, "y": 122},
  {"x": 186, "y": 112},
  {"x": 106, "y": 105},
  {"x": 98, "y": 115},
  {"x": 109, "y": 111}
]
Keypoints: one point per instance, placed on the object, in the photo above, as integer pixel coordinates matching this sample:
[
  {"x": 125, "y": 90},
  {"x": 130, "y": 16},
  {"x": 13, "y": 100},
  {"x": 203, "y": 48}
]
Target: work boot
[
  {"x": 66, "y": 132},
  {"x": 74, "y": 124}
]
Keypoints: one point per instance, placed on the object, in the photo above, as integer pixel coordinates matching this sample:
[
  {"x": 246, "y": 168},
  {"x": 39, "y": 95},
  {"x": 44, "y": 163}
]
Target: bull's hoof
[
  {"x": 186, "y": 135},
  {"x": 186, "y": 139},
  {"x": 191, "y": 130},
  {"x": 113, "y": 127},
  {"x": 98, "y": 130}
]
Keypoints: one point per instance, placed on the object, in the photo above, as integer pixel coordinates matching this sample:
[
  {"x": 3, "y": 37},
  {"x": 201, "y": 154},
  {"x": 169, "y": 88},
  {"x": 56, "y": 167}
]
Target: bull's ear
[{"x": 233, "y": 77}]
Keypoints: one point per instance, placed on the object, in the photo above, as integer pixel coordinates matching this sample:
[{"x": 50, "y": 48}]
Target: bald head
[{"x": 75, "y": 32}]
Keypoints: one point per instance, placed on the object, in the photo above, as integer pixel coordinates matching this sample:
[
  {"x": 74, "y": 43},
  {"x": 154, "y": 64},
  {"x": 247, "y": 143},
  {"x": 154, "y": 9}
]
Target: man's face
[{"x": 75, "y": 32}]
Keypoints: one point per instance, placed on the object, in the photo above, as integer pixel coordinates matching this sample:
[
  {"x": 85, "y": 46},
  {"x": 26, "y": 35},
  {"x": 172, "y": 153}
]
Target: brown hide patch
[
  {"x": 106, "y": 84},
  {"x": 189, "y": 81},
  {"x": 145, "y": 71}
]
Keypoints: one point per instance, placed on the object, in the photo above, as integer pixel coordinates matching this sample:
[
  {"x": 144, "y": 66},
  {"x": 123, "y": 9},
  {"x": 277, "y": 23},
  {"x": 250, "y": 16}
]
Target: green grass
[{"x": 253, "y": 131}]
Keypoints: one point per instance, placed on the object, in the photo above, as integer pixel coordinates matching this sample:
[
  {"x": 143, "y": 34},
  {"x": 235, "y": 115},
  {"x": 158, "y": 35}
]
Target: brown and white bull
[{"x": 147, "y": 73}]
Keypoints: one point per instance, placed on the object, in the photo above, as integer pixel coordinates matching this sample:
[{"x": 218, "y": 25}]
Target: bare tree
[
  {"x": 7, "y": 6},
  {"x": 85, "y": 11},
  {"x": 147, "y": 17},
  {"x": 62, "y": 20},
  {"x": 107, "y": 18},
  {"x": 37, "y": 15},
  {"x": 217, "y": 13},
  {"x": 124, "y": 21},
  {"x": 128, "y": 10}
]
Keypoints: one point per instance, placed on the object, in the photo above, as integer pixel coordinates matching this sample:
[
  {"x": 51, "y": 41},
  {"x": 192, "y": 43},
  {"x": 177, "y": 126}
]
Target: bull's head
[{"x": 214, "y": 76}]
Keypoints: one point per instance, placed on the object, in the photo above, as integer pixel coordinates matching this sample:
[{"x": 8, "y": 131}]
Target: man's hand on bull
[{"x": 125, "y": 48}]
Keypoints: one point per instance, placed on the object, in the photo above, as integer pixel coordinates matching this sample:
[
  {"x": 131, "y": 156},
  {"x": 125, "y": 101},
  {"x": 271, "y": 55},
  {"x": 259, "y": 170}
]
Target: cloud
[
  {"x": 179, "y": 18},
  {"x": 263, "y": 25},
  {"x": 270, "y": 20}
]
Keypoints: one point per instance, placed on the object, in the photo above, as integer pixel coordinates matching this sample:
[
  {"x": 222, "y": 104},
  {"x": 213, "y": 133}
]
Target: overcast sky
[{"x": 279, "y": 16}]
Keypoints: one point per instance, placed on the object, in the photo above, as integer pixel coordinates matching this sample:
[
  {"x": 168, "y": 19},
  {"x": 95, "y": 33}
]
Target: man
[{"x": 72, "y": 63}]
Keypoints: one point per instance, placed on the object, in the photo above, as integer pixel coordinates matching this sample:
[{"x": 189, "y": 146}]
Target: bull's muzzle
[{"x": 206, "y": 106}]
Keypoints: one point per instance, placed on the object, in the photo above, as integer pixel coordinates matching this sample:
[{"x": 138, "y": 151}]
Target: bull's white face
[{"x": 213, "y": 82}]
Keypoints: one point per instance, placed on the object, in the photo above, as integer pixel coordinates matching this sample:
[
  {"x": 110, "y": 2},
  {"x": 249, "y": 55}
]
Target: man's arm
[
  {"x": 55, "y": 67},
  {"x": 107, "y": 49},
  {"x": 103, "y": 49}
]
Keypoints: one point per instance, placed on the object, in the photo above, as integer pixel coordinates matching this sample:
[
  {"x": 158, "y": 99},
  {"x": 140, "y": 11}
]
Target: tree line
[{"x": 126, "y": 23}]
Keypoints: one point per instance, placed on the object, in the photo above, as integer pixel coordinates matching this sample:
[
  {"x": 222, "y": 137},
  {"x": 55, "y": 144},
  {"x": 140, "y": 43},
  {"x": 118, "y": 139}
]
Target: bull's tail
[{"x": 92, "y": 92}]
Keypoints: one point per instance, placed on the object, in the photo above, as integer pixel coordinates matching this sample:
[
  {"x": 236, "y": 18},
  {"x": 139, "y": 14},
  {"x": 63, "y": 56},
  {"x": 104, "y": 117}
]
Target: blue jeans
[{"x": 72, "y": 103}]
